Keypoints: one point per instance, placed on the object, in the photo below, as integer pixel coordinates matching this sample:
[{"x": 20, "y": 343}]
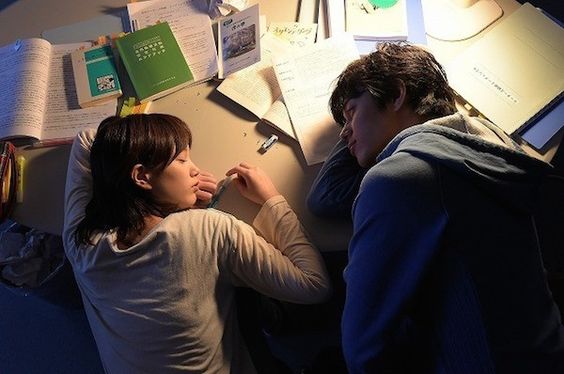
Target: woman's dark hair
[
  {"x": 380, "y": 73},
  {"x": 153, "y": 140}
]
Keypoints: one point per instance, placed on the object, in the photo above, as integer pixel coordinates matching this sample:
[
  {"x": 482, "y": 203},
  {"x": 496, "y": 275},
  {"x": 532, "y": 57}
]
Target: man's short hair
[{"x": 379, "y": 73}]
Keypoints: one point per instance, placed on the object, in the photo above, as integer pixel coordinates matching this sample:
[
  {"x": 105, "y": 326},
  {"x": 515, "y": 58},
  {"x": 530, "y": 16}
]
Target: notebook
[{"x": 513, "y": 72}]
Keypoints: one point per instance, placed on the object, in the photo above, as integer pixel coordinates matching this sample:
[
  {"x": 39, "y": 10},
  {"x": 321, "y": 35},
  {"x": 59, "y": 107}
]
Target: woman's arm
[
  {"x": 335, "y": 187},
  {"x": 282, "y": 263},
  {"x": 78, "y": 188}
]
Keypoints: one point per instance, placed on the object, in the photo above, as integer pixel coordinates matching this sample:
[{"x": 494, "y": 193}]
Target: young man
[{"x": 445, "y": 273}]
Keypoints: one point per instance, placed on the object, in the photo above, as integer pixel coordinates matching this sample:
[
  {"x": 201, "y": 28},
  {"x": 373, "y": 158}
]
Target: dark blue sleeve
[
  {"x": 335, "y": 187},
  {"x": 398, "y": 222}
]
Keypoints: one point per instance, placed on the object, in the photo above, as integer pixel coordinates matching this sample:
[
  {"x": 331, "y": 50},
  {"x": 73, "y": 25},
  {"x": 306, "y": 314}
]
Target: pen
[
  {"x": 215, "y": 199},
  {"x": 20, "y": 178},
  {"x": 50, "y": 143}
]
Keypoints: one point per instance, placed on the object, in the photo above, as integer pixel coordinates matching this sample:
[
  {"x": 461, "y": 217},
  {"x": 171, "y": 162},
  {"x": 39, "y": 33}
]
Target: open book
[
  {"x": 256, "y": 88},
  {"x": 38, "y": 96}
]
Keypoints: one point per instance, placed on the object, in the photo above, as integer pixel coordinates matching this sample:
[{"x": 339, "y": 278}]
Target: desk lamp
[{"x": 453, "y": 20}]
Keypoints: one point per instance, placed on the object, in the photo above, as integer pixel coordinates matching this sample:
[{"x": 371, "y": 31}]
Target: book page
[
  {"x": 191, "y": 25},
  {"x": 306, "y": 78},
  {"x": 63, "y": 116},
  {"x": 256, "y": 87},
  {"x": 24, "y": 71},
  {"x": 279, "y": 117}
]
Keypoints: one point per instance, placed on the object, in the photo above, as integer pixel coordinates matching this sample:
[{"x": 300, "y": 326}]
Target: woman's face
[{"x": 177, "y": 184}]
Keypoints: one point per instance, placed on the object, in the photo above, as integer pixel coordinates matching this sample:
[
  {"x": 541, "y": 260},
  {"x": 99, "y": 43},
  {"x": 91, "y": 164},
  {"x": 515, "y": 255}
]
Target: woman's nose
[{"x": 194, "y": 171}]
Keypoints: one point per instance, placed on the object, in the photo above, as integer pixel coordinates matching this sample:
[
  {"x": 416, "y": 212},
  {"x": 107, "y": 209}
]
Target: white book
[
  {"x": 366, "y": 22},
  {"x": 38, "y": 94},
  {"x": 513, "y": 72},
  {"x": 306, "y": 78}
]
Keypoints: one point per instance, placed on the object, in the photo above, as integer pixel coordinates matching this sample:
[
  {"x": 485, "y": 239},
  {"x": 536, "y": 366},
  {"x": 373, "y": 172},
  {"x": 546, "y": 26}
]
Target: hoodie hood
[{"x": 479, "y": 152}]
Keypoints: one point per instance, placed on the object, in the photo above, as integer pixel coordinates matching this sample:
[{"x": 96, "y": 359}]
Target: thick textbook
[
  {"x": 95, "y": 75},
  {"x": 154, "y": 62},
  {"x": 37, "y": 95},
  {"x": 514, "y": 72}
]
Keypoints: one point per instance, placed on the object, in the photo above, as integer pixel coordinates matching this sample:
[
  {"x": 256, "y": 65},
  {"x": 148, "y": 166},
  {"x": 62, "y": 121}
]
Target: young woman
[{"x": 157, "y": 276}]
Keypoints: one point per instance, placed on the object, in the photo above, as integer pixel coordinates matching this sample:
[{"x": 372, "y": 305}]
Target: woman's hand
[
  {"x": 253, "y": 183},
  {"x": 207, "y": 186}
]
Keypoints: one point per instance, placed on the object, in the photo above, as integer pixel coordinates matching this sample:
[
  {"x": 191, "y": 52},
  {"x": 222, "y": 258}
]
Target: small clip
[{"x": 17, "y": 45}]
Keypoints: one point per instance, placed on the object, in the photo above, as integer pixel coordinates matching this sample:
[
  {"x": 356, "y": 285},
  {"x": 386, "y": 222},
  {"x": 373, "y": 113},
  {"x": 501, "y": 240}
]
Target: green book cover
[{"x": 154, "y": 61}]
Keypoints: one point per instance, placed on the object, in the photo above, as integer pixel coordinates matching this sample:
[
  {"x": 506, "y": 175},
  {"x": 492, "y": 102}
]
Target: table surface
[{"x": 224, "y": 132}]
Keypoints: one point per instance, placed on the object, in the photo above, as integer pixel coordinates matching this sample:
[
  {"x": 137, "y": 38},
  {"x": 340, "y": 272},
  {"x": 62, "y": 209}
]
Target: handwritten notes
[
  {"x": 296, "y": 33},
  {"x": 305, "y": 78}
]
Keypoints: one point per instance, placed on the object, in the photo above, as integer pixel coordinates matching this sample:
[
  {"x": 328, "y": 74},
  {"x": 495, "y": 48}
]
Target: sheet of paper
[
  {"x": 24, "y": 73},
  {"x": 191, "y": 25},
  {"x": 63, "y": 116},
  {"x": 239, "y": 41},
  {"x": 305, "y": 78},
  {"x": 296, "y": 33},
  {"x": 256, "y": 87}
]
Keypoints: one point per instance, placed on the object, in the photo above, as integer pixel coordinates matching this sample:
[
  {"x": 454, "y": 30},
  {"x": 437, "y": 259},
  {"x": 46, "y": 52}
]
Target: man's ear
[
  {"x": 399, "y": 101},
  {"x": 141, "y": 177}
]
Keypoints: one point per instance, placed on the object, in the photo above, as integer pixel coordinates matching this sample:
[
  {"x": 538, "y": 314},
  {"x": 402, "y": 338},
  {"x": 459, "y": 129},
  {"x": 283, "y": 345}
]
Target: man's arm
[
  {"x": 335, "y": 187},
  {"x": 398, "y": 223}
]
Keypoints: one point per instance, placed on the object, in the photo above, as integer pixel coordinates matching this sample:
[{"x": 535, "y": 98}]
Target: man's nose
[{"x": 345, "y": 131}]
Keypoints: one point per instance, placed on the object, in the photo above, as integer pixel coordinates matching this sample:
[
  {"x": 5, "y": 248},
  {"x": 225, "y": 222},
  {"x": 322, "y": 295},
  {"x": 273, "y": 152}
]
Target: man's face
[{"x": 368, "y": 129}]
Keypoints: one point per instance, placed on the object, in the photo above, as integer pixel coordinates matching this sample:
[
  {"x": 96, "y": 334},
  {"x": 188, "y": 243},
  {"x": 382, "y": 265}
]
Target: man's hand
[
  {"x": 253, "y": 183},
  {"x": 207, "y": 188}
]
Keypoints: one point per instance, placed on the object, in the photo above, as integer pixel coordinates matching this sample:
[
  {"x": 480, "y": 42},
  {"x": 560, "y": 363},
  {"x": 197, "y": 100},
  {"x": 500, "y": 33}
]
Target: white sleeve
[
  {"x": 282, "y": 263},
  {"x": 78, "y": 187}
]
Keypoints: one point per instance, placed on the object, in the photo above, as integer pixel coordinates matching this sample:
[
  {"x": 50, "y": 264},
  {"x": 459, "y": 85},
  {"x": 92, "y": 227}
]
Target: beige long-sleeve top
[{"x": 167, "y": 303}]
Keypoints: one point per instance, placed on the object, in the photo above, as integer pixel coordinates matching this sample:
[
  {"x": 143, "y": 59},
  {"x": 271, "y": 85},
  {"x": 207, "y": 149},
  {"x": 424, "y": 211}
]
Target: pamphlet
[{"x": 238, "y": 41}]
